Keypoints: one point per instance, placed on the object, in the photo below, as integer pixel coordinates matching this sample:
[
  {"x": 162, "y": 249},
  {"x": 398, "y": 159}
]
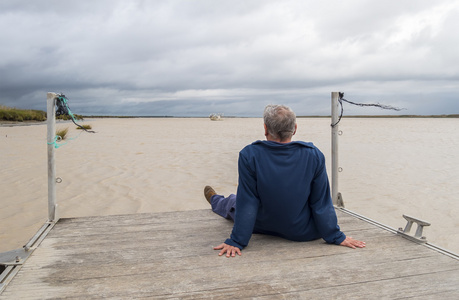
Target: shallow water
[{"x": 390, "y": 167}]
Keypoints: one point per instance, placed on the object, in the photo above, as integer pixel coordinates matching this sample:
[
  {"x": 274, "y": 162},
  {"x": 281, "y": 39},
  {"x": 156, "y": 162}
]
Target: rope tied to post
[
  {"x": 341, "y": 99},
  {"x": 63, "y": 109},
  {"x": 58, "y": 140}
]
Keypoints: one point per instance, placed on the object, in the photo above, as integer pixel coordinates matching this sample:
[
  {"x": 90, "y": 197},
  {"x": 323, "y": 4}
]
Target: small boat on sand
[{"x": 216, "y": 117}]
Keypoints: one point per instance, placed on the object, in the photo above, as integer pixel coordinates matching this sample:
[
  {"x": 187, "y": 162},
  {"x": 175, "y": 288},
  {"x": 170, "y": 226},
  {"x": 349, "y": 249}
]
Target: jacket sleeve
[
  {"x": 322, "y": 207},
  {"x": 247, "y": 202}
]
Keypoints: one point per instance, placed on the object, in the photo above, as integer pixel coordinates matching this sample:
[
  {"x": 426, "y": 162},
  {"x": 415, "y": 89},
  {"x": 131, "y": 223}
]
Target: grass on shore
[
  {"x": 21, "y": 115},
  {"x": 86, "y": 127},
  {"x": 62, "y": 133}
]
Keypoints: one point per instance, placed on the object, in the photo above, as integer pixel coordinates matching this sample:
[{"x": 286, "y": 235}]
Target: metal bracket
[
  {"x": 418, "y": 235},
  {"x": 12, "y": 261},
  {"x": 14, "y": 257},
  {"x": 340, "y": 201},
  {"x": 9, "y": 263}
]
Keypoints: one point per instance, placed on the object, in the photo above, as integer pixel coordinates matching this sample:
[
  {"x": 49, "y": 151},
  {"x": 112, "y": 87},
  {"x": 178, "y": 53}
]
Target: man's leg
[{"x": 223, "y": 206}]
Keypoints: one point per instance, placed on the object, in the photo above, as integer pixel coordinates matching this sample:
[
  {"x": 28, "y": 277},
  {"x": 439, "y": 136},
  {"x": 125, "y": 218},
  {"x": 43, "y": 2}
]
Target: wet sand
[{"x": 390, "y": 167}]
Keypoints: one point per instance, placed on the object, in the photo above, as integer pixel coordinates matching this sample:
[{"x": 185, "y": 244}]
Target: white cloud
[{"x": 232, "y": 52}]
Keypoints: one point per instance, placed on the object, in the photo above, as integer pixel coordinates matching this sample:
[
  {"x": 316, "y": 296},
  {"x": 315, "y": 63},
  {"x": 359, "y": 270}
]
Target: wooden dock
[{"x": 170, "y": 256}]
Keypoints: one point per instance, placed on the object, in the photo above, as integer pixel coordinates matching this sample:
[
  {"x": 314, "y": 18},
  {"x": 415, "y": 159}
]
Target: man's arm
[
  {"x": 246, "y": 211},
  {"x": 324, "y": 212},
  {"x": 322, "y": 207}
]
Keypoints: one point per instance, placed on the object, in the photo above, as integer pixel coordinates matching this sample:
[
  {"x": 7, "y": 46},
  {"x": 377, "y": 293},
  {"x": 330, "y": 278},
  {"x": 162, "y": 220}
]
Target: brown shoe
[{"x": 209, "y": 192}]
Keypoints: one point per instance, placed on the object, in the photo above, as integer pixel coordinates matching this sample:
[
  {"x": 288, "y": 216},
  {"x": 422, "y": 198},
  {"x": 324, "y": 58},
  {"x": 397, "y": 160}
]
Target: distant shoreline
[
  {"x": 8, "y": 123},
  {"x": 10, "y": 116},
  {"x": 4, "y": 123},
  {"x": 232, "y": 117},
  {"x": 389, "y": 116}
]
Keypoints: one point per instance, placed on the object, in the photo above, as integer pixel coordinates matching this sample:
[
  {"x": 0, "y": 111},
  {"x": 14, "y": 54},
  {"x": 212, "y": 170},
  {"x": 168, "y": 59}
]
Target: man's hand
[
  {"x": 229, "y": 250},
  {"x": 351, "y": 243}
]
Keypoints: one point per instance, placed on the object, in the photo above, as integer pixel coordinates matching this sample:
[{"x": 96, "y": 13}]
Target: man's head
[{"x": 280, "y": 123}]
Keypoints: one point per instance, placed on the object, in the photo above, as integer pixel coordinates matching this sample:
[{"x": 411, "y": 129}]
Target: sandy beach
[{"x": 390, "y": 167}]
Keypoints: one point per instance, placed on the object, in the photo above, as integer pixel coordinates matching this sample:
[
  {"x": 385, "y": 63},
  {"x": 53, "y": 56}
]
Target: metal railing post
[
  {"x": 51, "y": 120},
  {"x": 335, "y": 110}
]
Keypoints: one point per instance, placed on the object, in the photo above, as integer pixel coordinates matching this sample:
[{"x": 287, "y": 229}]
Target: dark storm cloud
[{"x": 197, "y": 57}]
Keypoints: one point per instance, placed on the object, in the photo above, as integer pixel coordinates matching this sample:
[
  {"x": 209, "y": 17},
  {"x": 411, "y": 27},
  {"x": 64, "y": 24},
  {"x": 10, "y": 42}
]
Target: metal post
[
  {"x": 335, "y": 110},
  {"x": 51, "y": 117}
]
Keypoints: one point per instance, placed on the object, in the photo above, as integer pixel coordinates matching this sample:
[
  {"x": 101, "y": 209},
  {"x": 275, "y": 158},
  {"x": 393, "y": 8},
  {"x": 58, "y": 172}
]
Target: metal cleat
[
  {"x": 418, "y": 235},
  {"x": 340, "y": 200}
]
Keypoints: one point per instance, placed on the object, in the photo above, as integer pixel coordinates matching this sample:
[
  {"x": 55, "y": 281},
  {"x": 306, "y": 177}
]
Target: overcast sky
[{"x": 196, "y": 57}]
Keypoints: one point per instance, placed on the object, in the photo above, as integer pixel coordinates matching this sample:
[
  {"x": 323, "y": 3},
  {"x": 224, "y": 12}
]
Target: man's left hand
[
  {"x": 351, "y": 243},
  {"x": 229, "y": 250}
]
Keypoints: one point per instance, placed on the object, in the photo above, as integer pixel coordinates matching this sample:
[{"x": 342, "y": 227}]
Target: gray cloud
[{"x": 189, "y": 58}]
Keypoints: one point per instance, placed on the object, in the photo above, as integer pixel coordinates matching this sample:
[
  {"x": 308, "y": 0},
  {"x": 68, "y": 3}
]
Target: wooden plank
[{"x": 169, "y": 255}]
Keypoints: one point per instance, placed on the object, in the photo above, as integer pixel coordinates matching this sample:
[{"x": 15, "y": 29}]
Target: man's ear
[
  {"x": 295, "y": 129},
  {"x": 266, "y": 129}
]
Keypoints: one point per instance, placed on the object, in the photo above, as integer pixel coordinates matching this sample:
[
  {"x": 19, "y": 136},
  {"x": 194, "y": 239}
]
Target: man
[{"x": 283, "y": 190}]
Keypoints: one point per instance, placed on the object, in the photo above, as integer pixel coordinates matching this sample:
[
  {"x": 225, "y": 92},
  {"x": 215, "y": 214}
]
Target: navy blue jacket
[{"x": 283, "y": 191}]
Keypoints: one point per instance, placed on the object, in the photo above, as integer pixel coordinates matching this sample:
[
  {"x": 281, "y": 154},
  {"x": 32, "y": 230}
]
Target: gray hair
[{"x": 280, "y": 121}]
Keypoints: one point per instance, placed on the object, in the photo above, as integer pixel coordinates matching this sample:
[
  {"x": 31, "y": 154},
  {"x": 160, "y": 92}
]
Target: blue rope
[
  {"x": 64, "y": 109},
  {"x": 57, "y": 138},
  {"x": 56, "y": 145}
]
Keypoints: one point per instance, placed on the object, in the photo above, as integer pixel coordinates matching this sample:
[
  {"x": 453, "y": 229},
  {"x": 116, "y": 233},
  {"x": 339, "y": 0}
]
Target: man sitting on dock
[{"x": 283, "y": 190}]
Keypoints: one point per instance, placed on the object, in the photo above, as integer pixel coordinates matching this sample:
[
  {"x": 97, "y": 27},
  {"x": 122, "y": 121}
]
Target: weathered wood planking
[{"x": 170, "y": 256}]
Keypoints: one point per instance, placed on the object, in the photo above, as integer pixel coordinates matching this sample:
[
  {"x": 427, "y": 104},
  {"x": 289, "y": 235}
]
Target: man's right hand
[{"x": 229, "y": 250}]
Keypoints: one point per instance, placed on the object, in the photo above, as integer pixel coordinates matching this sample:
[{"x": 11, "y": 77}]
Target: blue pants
[{"x": 224, "y": 206}]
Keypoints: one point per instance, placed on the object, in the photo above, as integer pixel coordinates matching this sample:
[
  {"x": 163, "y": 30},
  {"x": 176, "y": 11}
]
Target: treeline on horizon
[{"x": 21, "y": 115}]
